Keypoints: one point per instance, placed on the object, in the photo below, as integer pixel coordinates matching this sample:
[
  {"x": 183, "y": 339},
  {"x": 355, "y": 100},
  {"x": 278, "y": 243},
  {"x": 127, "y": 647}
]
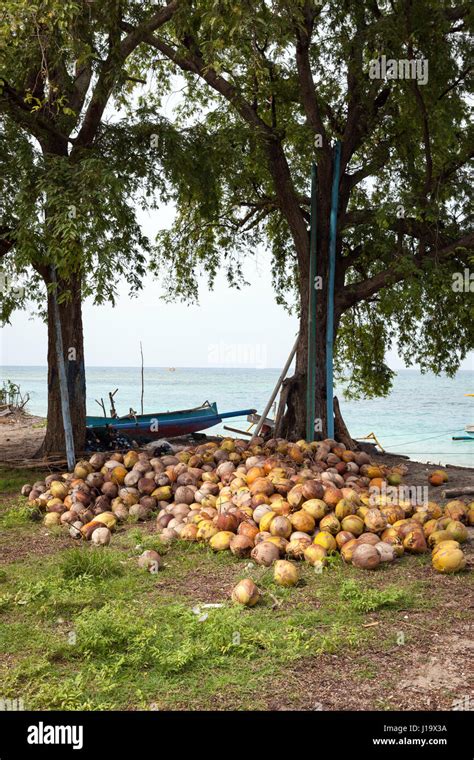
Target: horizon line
[{"x": 193, "y": 366}]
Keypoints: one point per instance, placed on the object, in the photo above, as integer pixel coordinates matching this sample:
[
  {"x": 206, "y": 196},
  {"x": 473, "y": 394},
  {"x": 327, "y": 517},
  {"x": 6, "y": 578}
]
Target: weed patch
[
  {"x": 91, "y": 563},
  {"x": 368, "y": 600}
]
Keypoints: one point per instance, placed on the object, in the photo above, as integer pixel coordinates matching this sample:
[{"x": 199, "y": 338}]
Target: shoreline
[
  {"x": 21, "y": 436},
  {"x": 417, "y": 424}
]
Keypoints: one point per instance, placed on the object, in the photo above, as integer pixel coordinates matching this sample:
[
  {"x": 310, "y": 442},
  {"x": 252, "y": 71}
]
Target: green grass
[
  {"x": 364, "y": 599},
  {"x": 12, "y": 480},
  {"x": 86, "y": 628},
  {"x": 91, "y": 563},
  {"x": 17, "y": 514}
]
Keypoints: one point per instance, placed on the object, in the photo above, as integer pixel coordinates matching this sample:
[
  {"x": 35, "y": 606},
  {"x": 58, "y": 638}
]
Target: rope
[
  {"x": 419, "y": 440},
  {"x": 456, "y": 430}
]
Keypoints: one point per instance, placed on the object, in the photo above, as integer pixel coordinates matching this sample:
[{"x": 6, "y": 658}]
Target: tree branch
[
  {"x": 360, "y": 291},
  {"x": 34, "y": 122},
  {"x": 305, "y": 77},
  {"x": 112, "y": 66},
  {"x": 412, "y": 227},
  {"x": 278, "y": 166}
]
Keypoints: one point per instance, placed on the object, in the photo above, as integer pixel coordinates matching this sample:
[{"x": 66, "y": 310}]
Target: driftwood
[
  {"x": 285, "y": 389},
  {"x": 451, "y": 492},
  {"x": 36, "y": 464}
]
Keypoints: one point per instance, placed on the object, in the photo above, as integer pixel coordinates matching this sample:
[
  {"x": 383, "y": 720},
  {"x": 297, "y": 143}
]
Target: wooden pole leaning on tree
[
  {"x": 311, "y": 366},
  {"x": 331, "y": 280},
  {"x": 63, "y": 387},
  {"x": 275, "y": 390},
  {"x": 143, "y": 379}
]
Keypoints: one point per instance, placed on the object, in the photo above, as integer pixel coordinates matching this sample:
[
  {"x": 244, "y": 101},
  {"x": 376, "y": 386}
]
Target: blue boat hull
[{"x": 149, "y": 427}]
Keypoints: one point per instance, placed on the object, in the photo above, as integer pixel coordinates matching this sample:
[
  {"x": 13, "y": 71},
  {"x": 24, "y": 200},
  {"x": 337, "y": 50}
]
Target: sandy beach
[{"x": 21, "y": 436}]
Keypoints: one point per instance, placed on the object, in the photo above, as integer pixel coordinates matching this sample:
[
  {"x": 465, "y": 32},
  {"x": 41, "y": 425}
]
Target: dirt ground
[
  {"x": 431, "y": 671},
  {"x": 21, "y": 435}
]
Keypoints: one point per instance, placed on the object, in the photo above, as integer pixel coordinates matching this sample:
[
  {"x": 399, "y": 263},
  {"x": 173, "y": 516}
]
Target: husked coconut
[
  {"x": 366, "y": 557},
  {"x": 246, "y": 593},
  {"x": 150, "y": 560},
  {"x": 101, "y": 537},
  {"x": 265, "y": 553},
  {"x": 285, "y": 573},
  {"x": 241, "y": 546}
]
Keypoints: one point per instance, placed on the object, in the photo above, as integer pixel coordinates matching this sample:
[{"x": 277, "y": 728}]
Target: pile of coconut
[{"x": 274, "y": 501}]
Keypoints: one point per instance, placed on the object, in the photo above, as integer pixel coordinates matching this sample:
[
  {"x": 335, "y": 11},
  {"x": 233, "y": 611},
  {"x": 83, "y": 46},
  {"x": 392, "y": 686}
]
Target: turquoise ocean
[{"x": 418, "y": 418}]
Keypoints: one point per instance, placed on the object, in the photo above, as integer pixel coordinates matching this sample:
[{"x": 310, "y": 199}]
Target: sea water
[{"x": 418, "y": 418}]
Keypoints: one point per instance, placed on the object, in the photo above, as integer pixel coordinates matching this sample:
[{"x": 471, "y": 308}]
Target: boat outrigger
[
  {"x": 148, "y": 427},
  {"x": 469, "y": 430}
]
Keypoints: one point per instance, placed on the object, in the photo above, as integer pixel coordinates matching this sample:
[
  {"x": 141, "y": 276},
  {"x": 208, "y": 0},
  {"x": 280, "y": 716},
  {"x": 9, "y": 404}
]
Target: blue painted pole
[
  {"x": 331, "y": 279},
  {"x": 311, "y": 366}
]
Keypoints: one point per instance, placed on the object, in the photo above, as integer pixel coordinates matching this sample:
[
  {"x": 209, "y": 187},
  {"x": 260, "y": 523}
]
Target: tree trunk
[
  {"x": 70, "y": 311},
  {"x": 292, "y": 424}
]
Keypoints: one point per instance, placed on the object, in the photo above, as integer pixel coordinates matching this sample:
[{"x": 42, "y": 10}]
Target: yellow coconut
[
  {"x": 302, "y": 521},
  {"x": 449, "y": 544},
  {"x": 437, "y": 536},
  {"x": 206, "y": 530},
  {"x": 221, "y": 540},
  {"x": 118, "y": 475},
  {"x": 52, "y": 504},
  {"x": 354, "y": 524},
  {"x": 344, "y": 508},
  {"x": 82, "y": 470},
  {"x": 266, "y": 521},
  {"x": 315, "y": 554},
  {"x": 430, "y": 527},
  {"x": 348, "y": 550},
  {"x": 58, "y": 489},
  {"x": 280, "y": 541},
  {"x": 285, "y": 573},
  {"x": 457, "y": 531},
  {"x": 449, "y": 560},
  {"x": 246, "y": 593},
  {"x": 456, "y": 510},
  {"x": 163, "y": 493},
  {"x": 415, "y": 542},
  {"x": 317, "y": 508},
  {"x": 189, "y": 532},
  {"x": 326, "y": 540},
  {"x": 330, "y": 523},
  {"x": 107, "y": 518},
  {"x": 394, "y": 478},
  {"x": 51, "y": 519},
  {"x": 130, "y": 459}
]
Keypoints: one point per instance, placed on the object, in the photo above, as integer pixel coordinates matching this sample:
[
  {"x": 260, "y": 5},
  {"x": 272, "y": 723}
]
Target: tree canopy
[
  {"x": 269, "y": 86},
  {"x": 274, "y": 84}
]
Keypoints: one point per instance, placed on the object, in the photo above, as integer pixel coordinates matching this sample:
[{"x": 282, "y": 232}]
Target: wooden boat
[
  {"x": 469, "y": 430},
  {"x": 147, "y": 427}
]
